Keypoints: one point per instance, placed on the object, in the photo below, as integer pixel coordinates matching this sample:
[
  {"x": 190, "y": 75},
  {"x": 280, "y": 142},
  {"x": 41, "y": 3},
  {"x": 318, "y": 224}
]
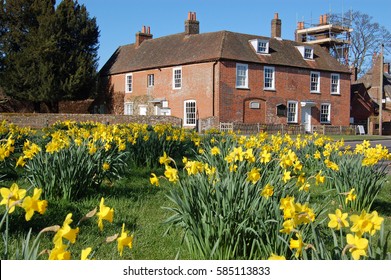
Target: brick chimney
[
  {"x": 192, "y": 26},
  {"x": 386, "y": 68},
  {"x": 145, "y": 34},
  {"x": 276, "y": 27}
]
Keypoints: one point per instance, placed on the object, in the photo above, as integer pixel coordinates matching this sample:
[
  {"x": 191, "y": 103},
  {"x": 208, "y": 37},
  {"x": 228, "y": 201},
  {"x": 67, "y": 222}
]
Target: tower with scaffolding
[{"x": 332, "y": 33}]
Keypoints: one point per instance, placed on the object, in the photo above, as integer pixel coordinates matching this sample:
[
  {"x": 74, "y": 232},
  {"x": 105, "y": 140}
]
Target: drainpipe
[{"x": 213, "y": 87}]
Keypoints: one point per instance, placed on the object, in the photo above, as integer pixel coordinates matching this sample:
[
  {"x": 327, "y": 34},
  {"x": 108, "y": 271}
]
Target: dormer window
[
  {"x": 260, "y": 46},
  {"x": 307, "y": 52}
]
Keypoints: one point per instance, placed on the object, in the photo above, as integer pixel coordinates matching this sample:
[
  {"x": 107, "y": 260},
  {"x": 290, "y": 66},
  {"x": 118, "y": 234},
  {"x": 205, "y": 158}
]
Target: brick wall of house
[
  {"x": 290, "y": 84},
  {"x": 197, "y": 84}
]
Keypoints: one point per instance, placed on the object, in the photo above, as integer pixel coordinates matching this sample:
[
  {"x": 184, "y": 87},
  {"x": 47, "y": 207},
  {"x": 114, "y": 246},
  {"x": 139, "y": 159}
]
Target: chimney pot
[
  {"x": 275, "y": 15},
  {"x": 192, "y": 26},
  {"x": 145, "y": 34}
]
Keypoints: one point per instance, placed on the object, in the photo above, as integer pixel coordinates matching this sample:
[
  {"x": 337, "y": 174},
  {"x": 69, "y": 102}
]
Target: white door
[
  {"x": 143, "y": 110},
  {"x": 306, "y": 118}
]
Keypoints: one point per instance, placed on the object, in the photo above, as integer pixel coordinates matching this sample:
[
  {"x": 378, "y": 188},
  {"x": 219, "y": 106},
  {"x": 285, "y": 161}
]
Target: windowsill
[
  {"x": 177, "y": 88},
  {"x": 292, "y": 122},
  {"x": 270, "y": 89},
  {"x": 128, "y": 91},
  {"x": 335, "y": 93},
  {"x": 315, "y": 92},
  {"x": 245, "y": 88},
  {"x": 325, "y": 122}
]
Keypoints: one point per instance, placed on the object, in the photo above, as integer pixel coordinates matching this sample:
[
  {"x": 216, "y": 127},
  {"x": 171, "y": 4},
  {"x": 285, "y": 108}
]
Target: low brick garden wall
[{"x": 34, "y": 120}]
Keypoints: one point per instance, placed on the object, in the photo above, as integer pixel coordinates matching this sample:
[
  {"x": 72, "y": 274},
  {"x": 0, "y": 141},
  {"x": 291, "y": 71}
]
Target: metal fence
[{"x": 246, "y": 128}]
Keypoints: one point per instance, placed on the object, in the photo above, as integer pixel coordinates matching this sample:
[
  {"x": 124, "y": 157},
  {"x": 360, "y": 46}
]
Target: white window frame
[
  {"x": 150, "y": 80},
  {"x": 288, "y": 111},
  {"x": 316, "y": 82},
  {"x": 325, "y": 117},
  {"x": 128, "y": 108},
  {"x": 335, "y": 82},
  {"x": 267, "y": 70},
  {"x": 263, "y": 46},
  {"x": 190, "y": 113},
  {"x": 129, "y": 83},
  {"x": 177, "y": 78},
  {"x": 241, "y": 75},
  {"x": 308, "y": 53}
]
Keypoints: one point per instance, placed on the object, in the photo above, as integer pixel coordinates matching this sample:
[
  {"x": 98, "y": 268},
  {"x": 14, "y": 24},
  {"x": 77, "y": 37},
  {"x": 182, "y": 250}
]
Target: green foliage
[
  {"x": 53, "y": 51},
  {"x": 70, "y": 173},
  {"x": 367, "y": 181}
]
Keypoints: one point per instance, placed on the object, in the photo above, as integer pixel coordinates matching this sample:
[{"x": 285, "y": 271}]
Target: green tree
[{"x": 48, "y": 54}]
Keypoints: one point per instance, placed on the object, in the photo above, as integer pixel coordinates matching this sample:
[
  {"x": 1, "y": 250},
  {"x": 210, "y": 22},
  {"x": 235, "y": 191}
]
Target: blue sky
[{"x": 120, "y": 20}]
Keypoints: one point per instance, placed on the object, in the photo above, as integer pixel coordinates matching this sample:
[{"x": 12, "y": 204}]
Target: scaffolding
[{"x": 332, "y": 33}]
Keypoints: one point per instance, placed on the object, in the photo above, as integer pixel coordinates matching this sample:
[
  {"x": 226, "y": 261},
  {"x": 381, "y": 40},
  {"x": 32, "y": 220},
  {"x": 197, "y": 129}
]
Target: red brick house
[
  {"x": 228, "y": 76},
  {"x": 365, "y": 96}
]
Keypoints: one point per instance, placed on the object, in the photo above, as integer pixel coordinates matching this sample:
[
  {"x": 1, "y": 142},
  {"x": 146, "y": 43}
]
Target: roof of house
[
  {"x": 367, "y": 79},
  {"x": 181, "y": 49}
]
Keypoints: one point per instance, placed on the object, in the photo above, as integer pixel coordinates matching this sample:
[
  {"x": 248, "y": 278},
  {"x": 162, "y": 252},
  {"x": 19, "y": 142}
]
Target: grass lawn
[{"x": 359, "y": 137}]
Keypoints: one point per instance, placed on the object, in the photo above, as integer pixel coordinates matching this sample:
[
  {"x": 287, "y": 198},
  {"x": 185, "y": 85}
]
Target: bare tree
[{"x": 366, "y": 40}]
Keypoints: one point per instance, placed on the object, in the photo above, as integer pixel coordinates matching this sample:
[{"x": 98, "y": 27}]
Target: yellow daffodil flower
[
  {"x": 124, "y": 240},
  {"x": 31, "y": 204},
  {"x": 171, "y": 174},
  {"x": 350, "y": 196},
  {"x": 105, "y": 213},
  {"x": 286, "y": 176},
  {"x": 106, "y": 166},
  {"x": 338, "y": 220},
  {"x": 254, "y": 175},
  {"x": 215, "y": 151},
  {"x": 274, "y": 257},
  {"x": 267, "y": 191},
  {"x": 154, "y": 180},
  {"x": 59, "y": 252},
  {"x": 66, "y": 231},
  {"x": 357, "y": 246},
  {"x": 12, "y": 196},
  {"x": 297, "y": 244},
  {"x": 85, "y": 253}
]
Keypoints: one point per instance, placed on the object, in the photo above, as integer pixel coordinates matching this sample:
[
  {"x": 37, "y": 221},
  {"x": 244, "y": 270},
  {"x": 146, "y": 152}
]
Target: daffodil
[
  {"x": 124, "y": 240},
  {"x": 106, "y": 166},
  {"x": 254, "y": 175},
  {"x": 215, "y": 151},
  {"x": 59, "y": 252},
  {"x": 297, "y": 244},
  {"x": 31, "y": 204},
  {"x": 85, "y": 253},
  {"x": 286, "y": 176},
  {"x": 12, "y": 196},
  {"x": 171, "y": 174},
  {"x": 105, "y": 213},
  {"x": 265, "y": 156},
  {"x": 66, "y": 231},
  {"x": 357, "y": 246},
  {"x": 154, "y": 180},
  {"x": 319, "y": 179},
  {"x": 350, "y": 196},
  {"x": 338, "y": 220},
  {"x": 165, "y": 159},
  {"x": 267, "y": 191},
  {"x": 274, "y": 257}
]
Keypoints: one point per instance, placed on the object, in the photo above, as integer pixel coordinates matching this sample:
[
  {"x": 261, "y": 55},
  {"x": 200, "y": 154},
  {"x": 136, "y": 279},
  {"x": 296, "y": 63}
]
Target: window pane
[
  {"x": 190, "y": 107},
  {"x": 177, "y": 78},
  {"x": 269, "y": 77},
  {"x": 129, "y": 83},
  {"x": 292, "y": 113},
  {"x": 325, "y": 113},
  {"x": 241, "y": 75},
  {"x": 315, "y": 82}
]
